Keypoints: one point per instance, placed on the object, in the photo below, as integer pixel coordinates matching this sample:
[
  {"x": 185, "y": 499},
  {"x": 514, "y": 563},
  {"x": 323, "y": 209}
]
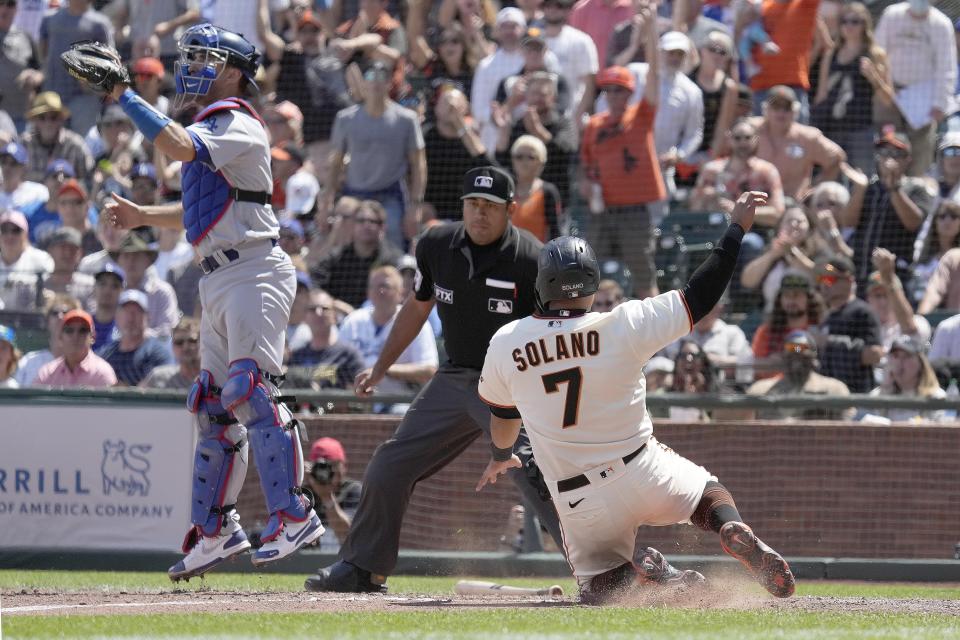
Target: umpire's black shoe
[{"x": 344, "y": 577}]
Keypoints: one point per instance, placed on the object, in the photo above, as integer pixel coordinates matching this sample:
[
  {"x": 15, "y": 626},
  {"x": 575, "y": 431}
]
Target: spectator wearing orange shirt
[
  {"x": 621, "y": 170},
  {"x": 791, "y": 24},
  {"x": 539, "y": 206}
]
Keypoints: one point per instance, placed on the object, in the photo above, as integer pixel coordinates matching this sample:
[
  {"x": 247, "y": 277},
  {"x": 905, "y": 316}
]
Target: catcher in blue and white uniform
[{"x": 246, "y": 292}]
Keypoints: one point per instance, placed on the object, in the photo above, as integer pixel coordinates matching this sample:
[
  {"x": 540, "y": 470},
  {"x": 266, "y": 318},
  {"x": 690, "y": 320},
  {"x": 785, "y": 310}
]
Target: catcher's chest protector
[{"x": 206, "y": 192}]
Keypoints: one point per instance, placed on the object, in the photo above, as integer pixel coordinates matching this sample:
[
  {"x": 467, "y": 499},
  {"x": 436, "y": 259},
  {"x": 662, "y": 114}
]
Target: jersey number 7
[{"x": 571, "y": 405}]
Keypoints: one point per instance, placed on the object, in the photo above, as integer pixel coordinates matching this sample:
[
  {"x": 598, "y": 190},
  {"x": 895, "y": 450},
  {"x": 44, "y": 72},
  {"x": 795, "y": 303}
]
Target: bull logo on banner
[{"x": 124, "y": 469}]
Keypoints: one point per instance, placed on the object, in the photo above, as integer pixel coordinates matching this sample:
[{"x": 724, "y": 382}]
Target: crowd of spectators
[{"x": 612, "y": 115}]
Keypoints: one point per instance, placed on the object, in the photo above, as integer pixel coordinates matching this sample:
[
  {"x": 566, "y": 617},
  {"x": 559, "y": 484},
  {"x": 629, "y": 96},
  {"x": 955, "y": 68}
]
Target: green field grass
[{"x": 552, "y": 622}]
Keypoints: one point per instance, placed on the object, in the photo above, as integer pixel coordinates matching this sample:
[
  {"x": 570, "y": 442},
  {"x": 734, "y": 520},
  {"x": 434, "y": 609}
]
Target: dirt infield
[{"x": 37, "y": 602}]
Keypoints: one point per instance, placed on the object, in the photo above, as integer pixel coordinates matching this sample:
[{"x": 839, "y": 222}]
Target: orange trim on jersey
[
  {"x": 683, "y": 299},
  {"x": 494, "y": 404}
]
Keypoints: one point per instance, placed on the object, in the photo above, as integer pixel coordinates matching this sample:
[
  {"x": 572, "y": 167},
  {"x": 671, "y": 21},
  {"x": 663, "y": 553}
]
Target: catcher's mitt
[{"x": 96, "y": 65}]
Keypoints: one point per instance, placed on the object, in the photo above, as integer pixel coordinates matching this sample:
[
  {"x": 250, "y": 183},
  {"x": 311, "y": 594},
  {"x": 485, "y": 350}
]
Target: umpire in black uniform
[{"x": 481, "y": 273}]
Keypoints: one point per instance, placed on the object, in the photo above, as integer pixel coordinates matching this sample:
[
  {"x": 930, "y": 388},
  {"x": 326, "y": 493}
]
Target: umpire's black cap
[
  {"x": 489, "y": 183},
  {"x": 567, "y": 268}
]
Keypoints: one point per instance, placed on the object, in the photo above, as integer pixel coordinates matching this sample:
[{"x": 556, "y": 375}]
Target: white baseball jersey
[
  {"x": 239, "y": 148},
  {"x": 578, "y": 381}
]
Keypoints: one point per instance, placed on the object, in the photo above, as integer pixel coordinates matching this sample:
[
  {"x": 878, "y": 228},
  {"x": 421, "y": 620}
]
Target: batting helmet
[
  {"x": 202, "y": 47},
  {"x": 567, "y": 268}
]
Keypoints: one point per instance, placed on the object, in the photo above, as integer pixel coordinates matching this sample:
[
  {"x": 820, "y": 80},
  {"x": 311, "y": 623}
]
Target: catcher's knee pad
[
  {"x": 220, "y": 462},
  {"x": 249, "y": 395}
]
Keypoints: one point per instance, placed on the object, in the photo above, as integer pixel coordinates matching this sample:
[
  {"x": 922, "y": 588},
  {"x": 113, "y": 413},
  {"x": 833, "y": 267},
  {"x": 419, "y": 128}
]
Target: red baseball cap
[
  {"x": 328, "y": 449},
  {"x": 72, "y": 185},
  {"x": 78, "y": 314},
  {"x": 148, "y": 67},
  {"x": 616, "y": 77}
]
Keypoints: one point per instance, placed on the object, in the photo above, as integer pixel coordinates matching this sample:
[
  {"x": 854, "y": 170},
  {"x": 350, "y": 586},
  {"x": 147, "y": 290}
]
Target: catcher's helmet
[
  {"x": 201, "y": 47},
  {"x": 567, "y": 268}
]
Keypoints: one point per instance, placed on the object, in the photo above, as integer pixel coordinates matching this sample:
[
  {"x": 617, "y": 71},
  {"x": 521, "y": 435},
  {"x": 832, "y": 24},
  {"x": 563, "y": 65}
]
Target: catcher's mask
[
  {"x": 567, "y": 268},
  {"x": 204, "y": 51}
]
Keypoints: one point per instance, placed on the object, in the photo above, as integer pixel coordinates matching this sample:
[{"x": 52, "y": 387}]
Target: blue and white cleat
[
  {"x": 292, "y": 536},
  {"x": 209, "y": 553}
]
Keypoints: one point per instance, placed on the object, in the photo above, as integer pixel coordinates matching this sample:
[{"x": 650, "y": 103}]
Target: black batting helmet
[{"x": 567, "y": 269}]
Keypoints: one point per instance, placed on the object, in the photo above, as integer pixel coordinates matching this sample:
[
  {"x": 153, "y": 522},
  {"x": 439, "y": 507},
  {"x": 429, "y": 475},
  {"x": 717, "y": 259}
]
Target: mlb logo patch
[
  {"x": 496, "y": 305},
  {"x": 483, "y": 181},
  {"x": 605, "y": 472},
  {"x": 555, "y": 323},
  {"x": 442, "y": 295}
]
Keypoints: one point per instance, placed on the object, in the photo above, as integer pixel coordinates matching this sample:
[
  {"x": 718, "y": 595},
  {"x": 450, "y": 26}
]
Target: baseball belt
[{"x": 581, "y": 480}]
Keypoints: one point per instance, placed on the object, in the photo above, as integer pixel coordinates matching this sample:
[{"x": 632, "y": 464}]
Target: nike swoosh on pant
[{"x": 573, "y": 505}]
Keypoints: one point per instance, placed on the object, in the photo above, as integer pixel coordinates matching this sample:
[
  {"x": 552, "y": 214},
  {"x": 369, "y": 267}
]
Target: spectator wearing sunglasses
[
  {"x": 49, "y": 139},
  {"x": 539, "y": 206},
  {"x": 78, "y": 366},
  {"x": 343, "y": 273},
  {"x": 850, "y": 339},
  {"x": 942, "y": 235},
  {"x": 800, "y": 376},
  {"x": 31, "y": 362},
  {"x": 719, "y": 91},
  {"x": 947, "y": 170},
  {"x": 186, "y": 355},
  {"x": 892, "y": 210},
  {"x": 854, "y": 77}
]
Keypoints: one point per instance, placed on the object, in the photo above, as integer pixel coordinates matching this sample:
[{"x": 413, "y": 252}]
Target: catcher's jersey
[
  {"x": 239, "y": 149},
  {"x": 578, "y": 382}
]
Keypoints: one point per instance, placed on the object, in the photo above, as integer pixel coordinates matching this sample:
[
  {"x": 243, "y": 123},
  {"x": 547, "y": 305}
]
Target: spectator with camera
[{"x": 337, "y": 496}]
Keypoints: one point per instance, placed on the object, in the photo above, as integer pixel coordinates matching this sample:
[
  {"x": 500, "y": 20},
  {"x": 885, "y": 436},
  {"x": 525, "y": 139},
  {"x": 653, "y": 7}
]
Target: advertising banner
[{"x": 95, "y": 477}]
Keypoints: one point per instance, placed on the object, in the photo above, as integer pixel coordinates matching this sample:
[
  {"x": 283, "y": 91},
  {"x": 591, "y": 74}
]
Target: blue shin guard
[
  {"x": 275, "y": 445},
  {"x": 220, "y": 462}
]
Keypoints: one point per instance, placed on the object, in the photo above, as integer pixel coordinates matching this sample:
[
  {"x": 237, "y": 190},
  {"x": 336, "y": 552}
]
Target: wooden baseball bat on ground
[{"x": 479, "y": 587}]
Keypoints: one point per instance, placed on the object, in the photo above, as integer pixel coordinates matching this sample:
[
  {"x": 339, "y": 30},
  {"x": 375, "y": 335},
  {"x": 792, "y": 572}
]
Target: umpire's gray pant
[{"x": 443, "y": 420}]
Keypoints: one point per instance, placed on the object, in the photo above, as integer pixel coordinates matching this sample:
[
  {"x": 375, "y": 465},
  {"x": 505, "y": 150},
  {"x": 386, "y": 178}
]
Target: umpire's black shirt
[{"x": 478, "y": 289}]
